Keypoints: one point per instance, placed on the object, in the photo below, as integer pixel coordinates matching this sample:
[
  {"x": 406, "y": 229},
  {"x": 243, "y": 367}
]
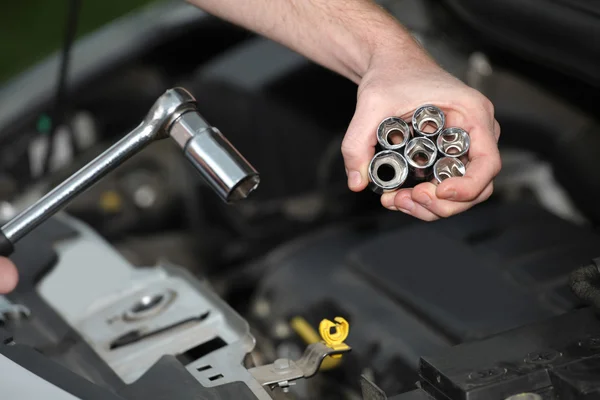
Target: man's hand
[
  {"x": 362, "y": 42},
  {"x": 392, "y": 87},
  {"x": 8, "y": 275}
]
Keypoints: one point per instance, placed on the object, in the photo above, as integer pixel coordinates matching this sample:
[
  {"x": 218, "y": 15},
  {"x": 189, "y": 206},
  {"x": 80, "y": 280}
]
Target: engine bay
[{"x": 149, "y": 286}]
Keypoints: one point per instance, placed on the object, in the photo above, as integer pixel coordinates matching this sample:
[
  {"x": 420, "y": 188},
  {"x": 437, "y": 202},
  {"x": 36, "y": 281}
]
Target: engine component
[
  {"x": 10, "y": 310},
  {"x": 552, "y": 359},
  {"x": 173, "y": 114},
  {"x": 393, "y": 133},
  {"x": 283, "y": 371},
  {"x": 426, "y": 116},
  {"x": 420, "y": 154},
  {"x": 448, "y": 167},
  {"x": 132, "y": 318},
  {"x": 387, "y": 171}
]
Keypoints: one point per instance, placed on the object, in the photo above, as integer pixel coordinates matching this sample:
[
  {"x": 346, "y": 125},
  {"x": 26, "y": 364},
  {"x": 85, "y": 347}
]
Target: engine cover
[{"x": 410, "y": 289}]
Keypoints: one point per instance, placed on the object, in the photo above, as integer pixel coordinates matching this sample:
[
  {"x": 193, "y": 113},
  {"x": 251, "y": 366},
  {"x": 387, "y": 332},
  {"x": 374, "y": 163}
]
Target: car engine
[{"x": 230, "y": 261}]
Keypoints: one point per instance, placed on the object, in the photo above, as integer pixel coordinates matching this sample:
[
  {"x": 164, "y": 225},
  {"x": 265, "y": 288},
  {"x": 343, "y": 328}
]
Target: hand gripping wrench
[{"x": 173, "y": 115}]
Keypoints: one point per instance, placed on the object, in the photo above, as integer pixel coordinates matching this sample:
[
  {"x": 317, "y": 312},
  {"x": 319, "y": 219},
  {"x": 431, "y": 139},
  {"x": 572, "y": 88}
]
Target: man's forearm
[{"x": 342, "y": 35}]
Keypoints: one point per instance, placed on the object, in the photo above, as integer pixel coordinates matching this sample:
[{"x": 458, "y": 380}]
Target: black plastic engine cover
[{"x": 410, "y": 289}]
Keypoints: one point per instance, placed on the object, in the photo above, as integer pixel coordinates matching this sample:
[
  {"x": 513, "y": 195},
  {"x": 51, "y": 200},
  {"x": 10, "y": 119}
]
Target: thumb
[{"x": 358, "y": 146}]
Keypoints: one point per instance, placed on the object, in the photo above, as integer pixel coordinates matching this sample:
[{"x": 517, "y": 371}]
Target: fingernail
[
  {"x": 449, "y": 194},
  {"x": 406, "y": 205},
  {"x": 423, "y": 199},
  {"x": 354, "y": 179}
]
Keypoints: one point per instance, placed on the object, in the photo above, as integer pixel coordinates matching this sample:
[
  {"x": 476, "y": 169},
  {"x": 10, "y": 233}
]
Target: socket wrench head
[
  {"x": 387, "y": 171},
  {"x": 166, "y": 109},
  {"x": 420, "y": 154},
  {"x": 428, "y": 121},
  {"x": 393, "y": 133},
  {"x": 453, "y": 142},
  {"x": 448, "y": 167}
]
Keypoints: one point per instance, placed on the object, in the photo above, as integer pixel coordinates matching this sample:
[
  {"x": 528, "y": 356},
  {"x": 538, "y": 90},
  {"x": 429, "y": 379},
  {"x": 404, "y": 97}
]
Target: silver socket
[
  {"x": 420, "y": 154},
  {"x": 448, "y": 167},
  {"x": 454, "y": 142},
  {"x": 428, "y": 121},
  {"x": 388, "y": 171},
  {"x": 393, "y": 133}
]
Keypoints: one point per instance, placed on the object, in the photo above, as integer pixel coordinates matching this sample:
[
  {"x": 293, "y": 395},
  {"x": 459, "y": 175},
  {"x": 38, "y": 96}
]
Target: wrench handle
[{"x": 6, "y": 246}]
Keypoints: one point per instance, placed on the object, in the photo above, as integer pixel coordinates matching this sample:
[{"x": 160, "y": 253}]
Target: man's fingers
[
  {"x": 358, "y": 146},
  {"x": 8, "y": 276},
  {"x": 483, "y": 166},
  {"x": 424, "y": 195},
  {"x": 401, "y": 200}
]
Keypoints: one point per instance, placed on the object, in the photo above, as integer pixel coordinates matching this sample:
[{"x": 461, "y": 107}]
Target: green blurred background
[{"x": 30, "y": 30}]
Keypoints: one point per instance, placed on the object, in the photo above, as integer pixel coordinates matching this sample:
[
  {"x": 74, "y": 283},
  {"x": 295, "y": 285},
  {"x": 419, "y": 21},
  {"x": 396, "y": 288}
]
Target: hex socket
[
  {"x": 454, "y": 142},
  {"x": 388, "y": 171},
  {"x": 428, "y": 115},
  {"x": 223, "y": 167},
  {"x": 393, "y": 133},
  {"x": 448, "y": 167},
  {"x": 420, "y": 154}
]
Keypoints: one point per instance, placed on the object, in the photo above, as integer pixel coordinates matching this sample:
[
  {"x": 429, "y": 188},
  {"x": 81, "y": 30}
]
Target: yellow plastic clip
[{"x": 334, "y": 334}]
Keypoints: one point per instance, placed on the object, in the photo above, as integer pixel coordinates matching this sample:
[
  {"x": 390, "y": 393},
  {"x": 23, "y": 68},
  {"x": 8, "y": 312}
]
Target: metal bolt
[
  {"x": 281, "y": 364},
  {"x": 262, "y": 308},
  {"x": 542, "y": 357},
  {"x": 281, "y": 330},
  {"x": 488, "y": 374},
  {"x": 144, "y": 196}
]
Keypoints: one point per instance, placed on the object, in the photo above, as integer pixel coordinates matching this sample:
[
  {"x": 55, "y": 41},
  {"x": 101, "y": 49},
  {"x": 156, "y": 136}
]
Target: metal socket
[
  {"x": 420, "y": 154},
  {"x": 426, "y": 116},
  {"x": 388, "y": 171},
  {"x": 220, "y": 164},
  {"x": 453, "y": 142},
  {"x": 393, "y": 133},
  {"x": 448, "y": 167}
]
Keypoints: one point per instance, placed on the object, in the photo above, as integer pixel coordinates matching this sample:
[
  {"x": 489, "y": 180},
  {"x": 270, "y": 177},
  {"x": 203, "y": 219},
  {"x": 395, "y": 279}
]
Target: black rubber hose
[
  {"x": 585, "y": 283},
  {"x": 60, "y": 103}
]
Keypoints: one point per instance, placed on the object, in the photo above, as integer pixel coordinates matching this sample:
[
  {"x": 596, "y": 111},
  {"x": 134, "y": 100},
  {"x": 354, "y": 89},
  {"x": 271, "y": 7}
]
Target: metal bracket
[
  {"x": 8, "y": 309},
  {"x": 283, "y": 372}
]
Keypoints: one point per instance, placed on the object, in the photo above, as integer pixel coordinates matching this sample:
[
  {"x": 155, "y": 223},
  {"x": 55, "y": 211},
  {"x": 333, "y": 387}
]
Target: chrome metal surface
[
  {"x": 420, "y": 154},
  {"x": 428, "y": 121},
  {"x": 448, "y": 167},
  {"x": 393, "y": 133},
  {"x": 225, "y": 170},
  {"x": 283, "y": 371},
  {"x": 221, "y": 165},
  {"x": 388, "y": 171},
  {"x": 453, "y": 142},
  {"x": 10, "y": 310}
]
